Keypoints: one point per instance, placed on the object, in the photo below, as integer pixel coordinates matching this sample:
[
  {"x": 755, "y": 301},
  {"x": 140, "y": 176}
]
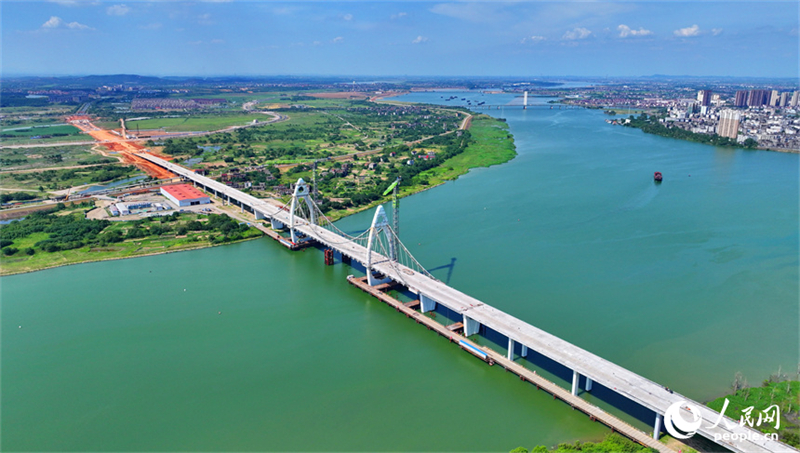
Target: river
[{"x": 250, "y": 347}]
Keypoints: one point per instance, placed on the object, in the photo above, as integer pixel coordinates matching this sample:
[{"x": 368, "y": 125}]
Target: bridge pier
[
  {"x": 657, "y": 427},
  {"x": 426, "y": 304},
  {"x": 588, "y": 384},
  {"x": 471, "y": 327},
  {"x": 524, "y": 351},
  {"x": 575, "y": 378},
  {"x": 510, "y": 354},
  {"x": 276, "y": 224}
]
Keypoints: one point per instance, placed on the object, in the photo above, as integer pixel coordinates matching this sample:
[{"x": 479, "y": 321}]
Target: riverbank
[
  {"x": 64, "y": 237},
  {"x": 651, "y": 125},
  {"x": 490, "y": 144},
  {"x": 67, "y": 262}
]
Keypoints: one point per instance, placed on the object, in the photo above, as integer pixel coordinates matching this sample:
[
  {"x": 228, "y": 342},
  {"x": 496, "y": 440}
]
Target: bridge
[{"x": 388, "y": 263}]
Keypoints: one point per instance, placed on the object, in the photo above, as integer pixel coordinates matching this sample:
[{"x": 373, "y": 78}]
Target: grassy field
[
  {"x": 50, "y": 157},
  {"x": 493, "y": 145},
  {"x": 191, "y": 123},
  {"x": 64, "y": 178},
  {"x": 27, "y": 134},
  {"x": 784, "y": 394}
]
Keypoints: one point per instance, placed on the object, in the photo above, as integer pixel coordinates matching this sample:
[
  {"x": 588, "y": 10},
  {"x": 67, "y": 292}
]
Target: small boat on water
[{"x": 657, "y": 176}]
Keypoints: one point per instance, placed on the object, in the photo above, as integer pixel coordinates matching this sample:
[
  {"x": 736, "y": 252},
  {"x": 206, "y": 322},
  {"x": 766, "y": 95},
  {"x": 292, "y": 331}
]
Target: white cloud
[
  {"x": 316, "y": 43},
  {"x": 419, "y": 40},
  {"x": 716, "y": 31},
  {"x": 533, "y": 39},
  {"x": 347, "y": 17},
  {"x": 694, "y": 30},
  {"x": 56, "y": 22},
  {"x": 625, "y": 31},
  {"x": 117, "y": 10},
  {"x": 398, "y": 16},
  {"x": 577, "y": 33},
  {"x": 204, "y": 19},
  {"x": 53, "y": 22},
  {"x": 153, "y": 26},
  {"x": 217, "y": 41},
  {"x": 281, "y": 11},
  {"x": 338, "y": 39}
]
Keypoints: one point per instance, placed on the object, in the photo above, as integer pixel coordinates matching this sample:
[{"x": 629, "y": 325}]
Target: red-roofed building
[{"x": 184, "y": 195}]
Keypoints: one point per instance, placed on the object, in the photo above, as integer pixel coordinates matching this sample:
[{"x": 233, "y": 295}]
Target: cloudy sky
[{"x": 524, "y": 38}]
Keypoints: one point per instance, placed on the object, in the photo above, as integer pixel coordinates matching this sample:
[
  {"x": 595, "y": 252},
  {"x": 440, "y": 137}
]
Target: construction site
[{"x": 120, "y": 145}]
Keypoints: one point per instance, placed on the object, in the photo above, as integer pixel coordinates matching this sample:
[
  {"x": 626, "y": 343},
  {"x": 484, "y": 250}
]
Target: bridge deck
[{"x": 625, "y": 382}]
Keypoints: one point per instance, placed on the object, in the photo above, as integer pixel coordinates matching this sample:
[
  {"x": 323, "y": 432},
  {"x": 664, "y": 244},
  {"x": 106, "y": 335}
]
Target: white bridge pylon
[
  {"x": 380, "y": 241},
  {"x": 379, "y": 232},
  {"x": 301, "y": 191}
]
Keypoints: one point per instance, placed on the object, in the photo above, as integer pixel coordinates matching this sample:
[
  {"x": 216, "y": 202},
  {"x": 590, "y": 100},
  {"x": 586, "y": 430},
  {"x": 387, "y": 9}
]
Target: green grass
[
  {"x": 50, "y": 157},
  {"x": 192, "y": 123},
  {"x": 785, "y": 394},
  {"x": 492, "y": 145},
  {"x": 64, "y": 178},
  {"x": 611, "y": 443},
  {"x": 25, "y": 136}
]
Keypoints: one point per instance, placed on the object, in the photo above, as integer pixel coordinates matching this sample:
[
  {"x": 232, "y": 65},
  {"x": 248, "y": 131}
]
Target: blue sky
[{"x": 590, "y": 38}]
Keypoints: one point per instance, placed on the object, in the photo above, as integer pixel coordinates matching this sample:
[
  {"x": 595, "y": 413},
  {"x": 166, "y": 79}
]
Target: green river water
[{"x": 250, "y": 347}]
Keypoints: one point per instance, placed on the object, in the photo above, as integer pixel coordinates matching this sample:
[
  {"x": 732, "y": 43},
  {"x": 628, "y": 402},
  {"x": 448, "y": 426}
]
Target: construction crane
[{"x": 395, "y": 209}]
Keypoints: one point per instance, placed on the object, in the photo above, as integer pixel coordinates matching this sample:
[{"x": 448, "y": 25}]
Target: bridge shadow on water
[
  {"x": 499, "y": 343},
  {"x": 450, "y": 267},
  {"x": 534, "y": 360}
]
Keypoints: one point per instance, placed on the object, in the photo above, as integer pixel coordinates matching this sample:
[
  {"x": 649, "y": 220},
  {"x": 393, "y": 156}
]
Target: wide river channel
[{"x": 251, "y": 347}]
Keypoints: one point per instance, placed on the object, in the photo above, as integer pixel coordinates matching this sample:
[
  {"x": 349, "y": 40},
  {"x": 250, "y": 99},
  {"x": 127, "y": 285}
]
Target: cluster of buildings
[
  {"x": 131, "y": 207},
  {"x": 254, "y": 177},
  {"x": 771, "y": 126},
  {"x": 760, "y": 98},
  {"x": 174, "y": 104},
  {"x": 60, "y": 96}
]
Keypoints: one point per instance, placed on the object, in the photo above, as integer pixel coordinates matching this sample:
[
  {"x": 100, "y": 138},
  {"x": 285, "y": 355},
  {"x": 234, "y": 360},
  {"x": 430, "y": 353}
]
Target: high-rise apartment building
[
  {"x": 741, "y": 99},
  {"x": 774, "y": 98},
  {"x": 704, "y": 97},
  {"x": 784, "y": 99},
  {"x": 728, "y": 124},
  {"x": 795, "y": 99},
  {"x": 757, "y": 98}
]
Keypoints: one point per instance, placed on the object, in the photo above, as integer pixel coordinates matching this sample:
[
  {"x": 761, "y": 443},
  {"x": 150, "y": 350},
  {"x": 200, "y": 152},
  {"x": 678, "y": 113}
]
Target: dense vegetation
[
  {"x": 777, "y": 390},
  {"x": 612, "y": 443},
  {"x": 16, "y": 196},
  {"x": 62, "y": 179},
  {"x": 54, "y": 232},
  {"x": 651, "y": 125},
  {"x": 450, "y": 145}
]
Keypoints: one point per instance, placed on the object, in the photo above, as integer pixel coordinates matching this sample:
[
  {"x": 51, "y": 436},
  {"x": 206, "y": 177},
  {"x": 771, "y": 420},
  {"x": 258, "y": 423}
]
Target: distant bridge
[{"x": 388, "y": 263}]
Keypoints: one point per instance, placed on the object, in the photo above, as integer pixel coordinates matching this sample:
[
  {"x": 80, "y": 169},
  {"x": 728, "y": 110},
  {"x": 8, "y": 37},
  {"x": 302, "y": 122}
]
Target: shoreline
[
  {"x": 465, "y": 125},
  {"x": 188, "y": 249}
]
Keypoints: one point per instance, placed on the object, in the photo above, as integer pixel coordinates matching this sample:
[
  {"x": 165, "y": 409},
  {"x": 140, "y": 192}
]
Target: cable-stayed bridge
[{"x": 387, "y": 262}]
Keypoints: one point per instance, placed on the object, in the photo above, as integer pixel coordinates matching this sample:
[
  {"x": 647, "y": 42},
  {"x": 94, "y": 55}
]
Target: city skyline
[{"x": 592, "y": 39}]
